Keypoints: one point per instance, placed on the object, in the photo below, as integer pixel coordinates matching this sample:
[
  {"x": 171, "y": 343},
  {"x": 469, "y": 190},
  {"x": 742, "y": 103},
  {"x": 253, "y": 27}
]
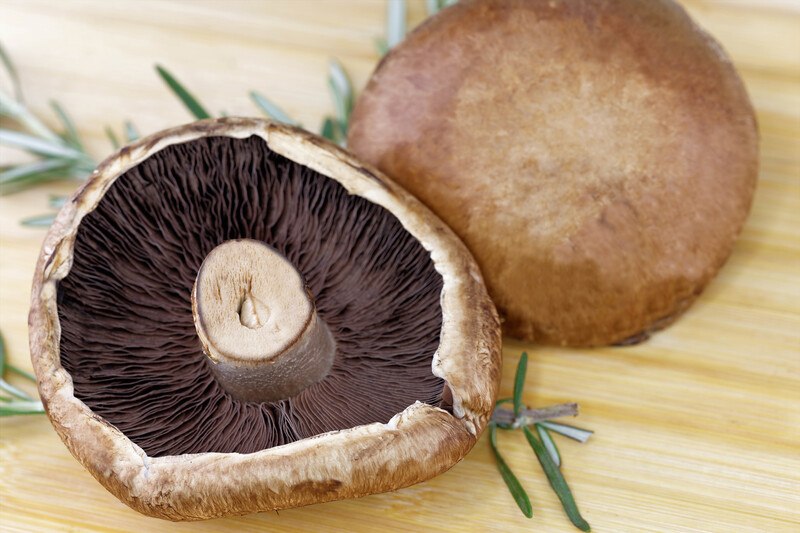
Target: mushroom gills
[{"x": 128, "y": 336}]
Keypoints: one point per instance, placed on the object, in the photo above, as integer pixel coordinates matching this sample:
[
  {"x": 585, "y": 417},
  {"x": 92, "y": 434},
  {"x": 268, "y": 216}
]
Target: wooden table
[{"x": 696, "y": 430}]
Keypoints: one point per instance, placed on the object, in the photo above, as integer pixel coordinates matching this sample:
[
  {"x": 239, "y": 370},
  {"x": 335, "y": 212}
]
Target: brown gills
[{"x": 128, "y": 338}]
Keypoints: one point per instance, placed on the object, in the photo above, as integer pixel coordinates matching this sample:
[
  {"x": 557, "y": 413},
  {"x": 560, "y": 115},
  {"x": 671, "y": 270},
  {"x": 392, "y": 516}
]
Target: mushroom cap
[
  {"x": 417, "y": 443},
  {"x": 597, "y": 157}
]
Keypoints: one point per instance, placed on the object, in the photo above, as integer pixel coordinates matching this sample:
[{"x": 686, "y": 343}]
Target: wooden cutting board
[{"x": 696, "y": 430}]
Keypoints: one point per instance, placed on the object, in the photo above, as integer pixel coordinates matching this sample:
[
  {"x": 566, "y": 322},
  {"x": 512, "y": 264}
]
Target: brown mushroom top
[
  {"x": 597, "y": 157},
  {"x": 120, "y": 367}
]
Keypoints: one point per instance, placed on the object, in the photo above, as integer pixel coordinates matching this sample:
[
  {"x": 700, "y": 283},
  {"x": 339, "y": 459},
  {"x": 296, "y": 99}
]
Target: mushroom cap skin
[
  {"x": 598, "y": 157},
  {"x": 416, "y": 444}
]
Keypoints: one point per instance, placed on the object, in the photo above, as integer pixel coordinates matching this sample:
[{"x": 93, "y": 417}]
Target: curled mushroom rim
[{"x": 354, "y": 462}]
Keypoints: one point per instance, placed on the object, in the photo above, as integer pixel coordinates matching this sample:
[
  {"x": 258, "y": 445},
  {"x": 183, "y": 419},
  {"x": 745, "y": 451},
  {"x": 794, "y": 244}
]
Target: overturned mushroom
[{"x": 235, "y": 316}]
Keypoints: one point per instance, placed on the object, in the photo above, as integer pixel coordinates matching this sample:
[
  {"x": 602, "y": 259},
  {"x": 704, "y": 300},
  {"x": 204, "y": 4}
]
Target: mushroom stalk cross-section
[{"x": 257, "y": 323}]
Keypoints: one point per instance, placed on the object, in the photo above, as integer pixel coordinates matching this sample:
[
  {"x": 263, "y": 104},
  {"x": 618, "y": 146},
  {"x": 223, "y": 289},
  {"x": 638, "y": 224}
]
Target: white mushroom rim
[{"x": 425, "y": 440}]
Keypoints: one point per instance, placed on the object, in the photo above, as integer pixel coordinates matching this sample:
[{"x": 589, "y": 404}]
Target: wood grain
[{"x": 696, "y": 430}]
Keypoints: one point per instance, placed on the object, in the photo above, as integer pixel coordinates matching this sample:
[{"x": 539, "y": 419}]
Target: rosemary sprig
[
  {"x": 545, "y": 449},
  {"x": 191, "y": 103},
  {"x": 15, "y": 401}
]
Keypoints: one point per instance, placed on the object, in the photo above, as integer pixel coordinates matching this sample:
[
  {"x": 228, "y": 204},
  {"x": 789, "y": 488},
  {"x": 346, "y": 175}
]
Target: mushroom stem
[{"x": 258, "y": 324}]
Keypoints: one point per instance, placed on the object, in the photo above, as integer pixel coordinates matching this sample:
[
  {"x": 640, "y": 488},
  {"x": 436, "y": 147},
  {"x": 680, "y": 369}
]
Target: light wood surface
[{"x": 696, "y": 430}]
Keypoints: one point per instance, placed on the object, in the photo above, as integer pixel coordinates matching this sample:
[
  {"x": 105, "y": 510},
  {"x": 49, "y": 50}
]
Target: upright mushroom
[
  {"x": 598, "y": 157},
  {"x": 236, "y": 316}
]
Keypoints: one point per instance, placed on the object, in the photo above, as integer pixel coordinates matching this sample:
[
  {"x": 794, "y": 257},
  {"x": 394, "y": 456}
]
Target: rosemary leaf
[
  {"x": 70, "y": 132},
  {"x": 549, "y": 444},
  {"x": 33, "y": 172},
  {"x": 12, "y": 73},
  {"x": 13, "y": 391},
  {"x": 2, "y": 355},
  {"x": 27, "y": 407},
  {"x": 578, "y": 434},
  {"x": 395, "y": 22},
  {"x": 185, "y": 96},
  {"x": 333, "y": 130},
  {"x": 12, "y": 109},
  {"x": 519, "y": 382},
  {"x": 328, "y": 129},
  {"x": 59, "y": 173},
  {"x": 21, "y": 372},
  {"x": 112, "y": 138},
  {"x": 341, "y": 93},
  {"x": 131, "y": 133},
  {"x": 381, "y": 46},
  {"x": 37, "y": 145},
  {"x": 39, "y": 221},
  {"x": 513, "y": 484},
  {"x": 271, "y": 110},
  {"x": 557, "y": 482},
  {"x": 432, "y": 7},
  {"x": 56, "y": 201}
]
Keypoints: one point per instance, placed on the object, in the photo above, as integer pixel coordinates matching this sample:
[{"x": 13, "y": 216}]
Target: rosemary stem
[{"x": 528, "y": 417}]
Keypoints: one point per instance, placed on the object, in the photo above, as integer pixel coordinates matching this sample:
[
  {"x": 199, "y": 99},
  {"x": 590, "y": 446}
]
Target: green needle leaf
[
  {"x": 131, "y": 133},
  {"x": 28, "y": 407},
  {"x": 578, "y": 434},
  {"x": 12, "y": 73},
  {"x": 519, "y": 382},
  {"x": 112, "y": 138},
  {"x": 38, "y": 145},
  {"x": 333, "y": 131},
  {"x": 12, "y": 109},
  {"x": 549, "y": 444},
  {"x": 513, "y": 484},
  {"x": 341, "y": 93},
  {"x": 432, "y": 7},
  {"x": 270, "y": 109},
  {"x": 395, "y": 22},
  {"x": 185, "y": 96},
  {"x": 21, "y": 372},
  {"x": 29, "y": 173},
  {"x": 38, "y": 221},
  {"x": 557, "y": 481},
  {"x": 57, "y": 202},
  {"x": 12, "y": 390},
  {"x": 2, "y": 355},
  {"x": 381, "y": 46},
  {"x": 329, "y": 129},
  {"x": 70, "y": 132}
]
